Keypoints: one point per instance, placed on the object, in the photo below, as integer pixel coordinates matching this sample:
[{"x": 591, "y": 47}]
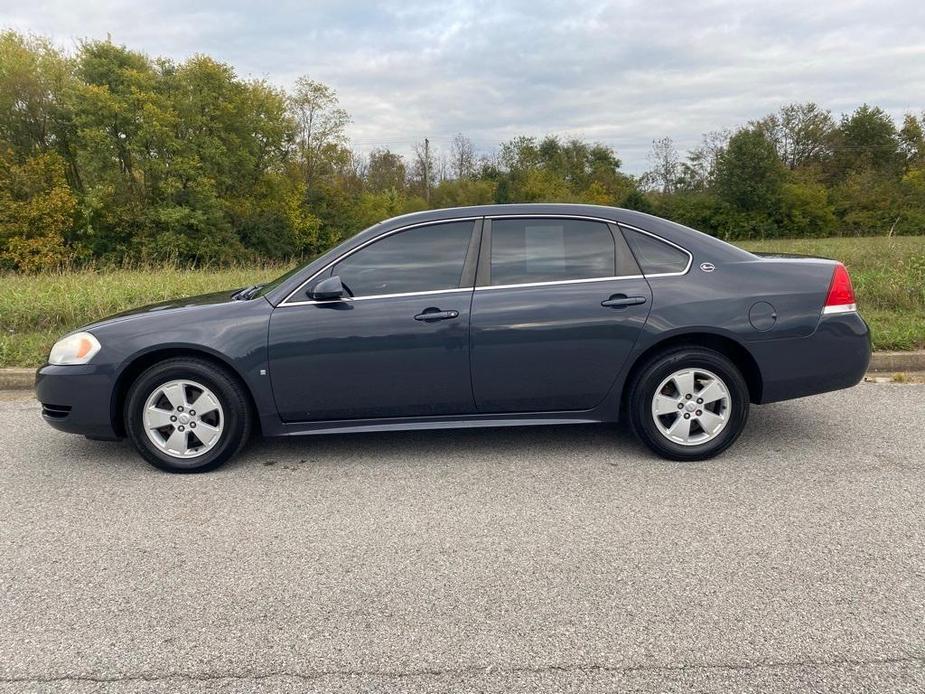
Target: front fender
[{"x": 233, "y": 334}]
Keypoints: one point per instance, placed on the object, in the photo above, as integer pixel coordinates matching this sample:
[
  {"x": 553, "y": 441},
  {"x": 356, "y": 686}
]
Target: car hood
[{"x": 190, "y": 302}]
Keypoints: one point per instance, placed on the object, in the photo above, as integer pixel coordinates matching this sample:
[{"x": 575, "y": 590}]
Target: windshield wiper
[{"x": 247, "y": 293}]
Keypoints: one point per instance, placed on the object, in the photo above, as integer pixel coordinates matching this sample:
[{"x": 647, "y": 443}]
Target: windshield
[
  {"x": 270, "y": 286},
  {"x": 273, "y": 284}
]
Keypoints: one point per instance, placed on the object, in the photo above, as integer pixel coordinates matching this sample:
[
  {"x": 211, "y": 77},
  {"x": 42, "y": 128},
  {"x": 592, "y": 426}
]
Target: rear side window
[
  {"x": 549, "y": 250},
  {"x": 654, "y": 256},
  {"x": 418, "y": 260}
]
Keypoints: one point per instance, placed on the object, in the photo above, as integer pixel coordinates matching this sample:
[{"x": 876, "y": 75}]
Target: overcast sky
[{"x": 621, "y": 73}]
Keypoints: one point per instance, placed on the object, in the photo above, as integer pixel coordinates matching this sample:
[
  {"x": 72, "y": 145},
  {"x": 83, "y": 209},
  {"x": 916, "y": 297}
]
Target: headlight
[{"x": 78, "y": 348}]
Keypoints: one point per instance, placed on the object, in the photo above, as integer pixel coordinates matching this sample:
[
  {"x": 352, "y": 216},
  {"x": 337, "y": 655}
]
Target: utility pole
[{"x": 427, "y": 170}]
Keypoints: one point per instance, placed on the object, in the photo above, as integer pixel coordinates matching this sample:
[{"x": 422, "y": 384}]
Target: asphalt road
[{"x": 557, "y": 559}]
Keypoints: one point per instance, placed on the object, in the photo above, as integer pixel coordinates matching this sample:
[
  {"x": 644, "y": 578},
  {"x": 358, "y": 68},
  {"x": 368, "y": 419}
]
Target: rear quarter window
[{"x": 655, "y": 256}]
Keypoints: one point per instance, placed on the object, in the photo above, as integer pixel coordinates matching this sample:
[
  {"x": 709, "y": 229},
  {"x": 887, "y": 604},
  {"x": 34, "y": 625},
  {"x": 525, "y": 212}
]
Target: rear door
[{"x": 558, "y": 306}]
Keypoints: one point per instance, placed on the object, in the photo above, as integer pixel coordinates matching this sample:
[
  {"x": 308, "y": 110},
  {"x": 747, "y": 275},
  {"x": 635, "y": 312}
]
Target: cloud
[{"x": 622, "y": 72}]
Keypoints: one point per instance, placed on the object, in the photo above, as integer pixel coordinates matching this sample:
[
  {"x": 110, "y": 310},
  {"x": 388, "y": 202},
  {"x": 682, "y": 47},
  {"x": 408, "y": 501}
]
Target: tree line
[{"x": 110, "y": 156}]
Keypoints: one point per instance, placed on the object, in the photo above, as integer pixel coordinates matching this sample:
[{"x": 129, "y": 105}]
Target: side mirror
[{"x": 328, "y": 290}]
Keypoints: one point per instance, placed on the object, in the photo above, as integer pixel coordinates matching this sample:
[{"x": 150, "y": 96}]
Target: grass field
[
  {"x": 888, "y": 275},
  {"x": 35, "y": 310}
]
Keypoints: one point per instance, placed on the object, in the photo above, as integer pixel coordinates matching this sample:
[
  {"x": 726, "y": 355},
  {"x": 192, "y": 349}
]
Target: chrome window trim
[
  {"x": 554, "y": 215},
  {"x": 690, "y": 256},
  {"x": 555, "y": 282},
  {"x": 690, "y": 260},
  {"x": 308, "y": 302},
  {"x": 286, "y": 302}
]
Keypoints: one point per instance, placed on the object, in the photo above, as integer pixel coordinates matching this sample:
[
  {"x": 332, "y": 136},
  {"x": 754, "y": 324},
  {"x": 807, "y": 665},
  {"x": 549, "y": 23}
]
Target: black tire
[
  {"x": 642, "y": 390},
  {"x": 236, "y": 414}
]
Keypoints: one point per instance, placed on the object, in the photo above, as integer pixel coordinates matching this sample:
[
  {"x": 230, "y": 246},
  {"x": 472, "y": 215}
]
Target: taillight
[{"x": 841, "y": 294}]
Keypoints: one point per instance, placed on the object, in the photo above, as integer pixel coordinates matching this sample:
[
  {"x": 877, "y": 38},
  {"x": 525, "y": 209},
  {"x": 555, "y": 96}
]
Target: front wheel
[
  {"x": 187, "y": 415},
  {"x": 688, "y": 404}
]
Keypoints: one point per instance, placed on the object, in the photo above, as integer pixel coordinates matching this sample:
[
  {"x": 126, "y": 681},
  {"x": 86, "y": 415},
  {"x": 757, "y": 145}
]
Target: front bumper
[
  {"x": 835, "y": 356},
  {"x": 77, "y": 399}
]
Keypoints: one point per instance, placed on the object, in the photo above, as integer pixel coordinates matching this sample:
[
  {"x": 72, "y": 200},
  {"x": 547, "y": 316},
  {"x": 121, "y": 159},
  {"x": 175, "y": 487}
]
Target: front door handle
[
  {"x": 622, "y": 301},
  {"x": 435, "y": 314}
]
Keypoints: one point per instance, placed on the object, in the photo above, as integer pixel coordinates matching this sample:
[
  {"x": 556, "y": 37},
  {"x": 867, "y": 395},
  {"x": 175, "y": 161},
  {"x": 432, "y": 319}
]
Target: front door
[
  {"x": 560, "y": 302},
  {"x": 399, "y": 347}
]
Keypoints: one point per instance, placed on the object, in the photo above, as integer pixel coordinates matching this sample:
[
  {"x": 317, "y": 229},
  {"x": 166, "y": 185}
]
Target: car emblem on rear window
[{"x": 707, "y": 267}]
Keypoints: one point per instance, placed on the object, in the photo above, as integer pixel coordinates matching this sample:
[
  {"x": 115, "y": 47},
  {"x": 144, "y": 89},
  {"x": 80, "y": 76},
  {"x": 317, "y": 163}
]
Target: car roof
[
  {"x": 671, "y": 231},
  {"x": 600, "y": 211}
]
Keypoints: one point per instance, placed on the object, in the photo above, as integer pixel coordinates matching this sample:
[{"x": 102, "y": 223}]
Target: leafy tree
[
  {"x": 867, "y": 202},
  {"x": 551, "y": 170},
  {"x": 541, "y": 185},
  {"x": 806, "y": 210},
  {"x": 749, "y": 174},
  {"x": 912, "y": 140},
  {"x": 33, "y": 76},
  {"x": 912, "y": 203},
  {"x": 698, "y": 172},
  {"x": 373, "y": 207},
  {"x": 320, "y": 127},
  {"x": 867, "y": 139},
  {"x": 665, "y": 173},
  {"x": 694, "y": 208},
  {"x": 460, "y": 192},
  {"x": 107, "y": 154},
  {"x": 174, "y": 158},
  {"x": 36, "y": 211},
  {"x": 462, "y": 157},
  {"x": 636, "y": 200},
  {"x": 802, "y": 134},
  {"x": 385, "y": 171},
  {"x": 423, "y": 174}
]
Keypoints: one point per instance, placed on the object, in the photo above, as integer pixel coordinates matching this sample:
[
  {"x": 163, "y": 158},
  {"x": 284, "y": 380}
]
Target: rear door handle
[
  {"x": 435, "y": 314},
  {"x": 622, "y": 301}
]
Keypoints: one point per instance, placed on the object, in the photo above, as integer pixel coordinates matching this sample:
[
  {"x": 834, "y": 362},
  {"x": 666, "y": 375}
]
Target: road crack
[{"x": 463, "y": 671}]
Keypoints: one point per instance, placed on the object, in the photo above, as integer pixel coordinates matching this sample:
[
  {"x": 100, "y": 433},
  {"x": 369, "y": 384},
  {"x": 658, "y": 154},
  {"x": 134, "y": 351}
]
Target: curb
[
  {"x": 897, "y": 362},
  {"x": 880, "y": 363},
  {"x": 16, "y": 379}
]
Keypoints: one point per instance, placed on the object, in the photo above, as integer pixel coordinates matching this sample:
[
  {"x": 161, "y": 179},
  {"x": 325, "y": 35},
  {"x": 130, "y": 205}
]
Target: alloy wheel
[
  {"x": 183, "y": 418},
  {"x": 691, "y": 406}
]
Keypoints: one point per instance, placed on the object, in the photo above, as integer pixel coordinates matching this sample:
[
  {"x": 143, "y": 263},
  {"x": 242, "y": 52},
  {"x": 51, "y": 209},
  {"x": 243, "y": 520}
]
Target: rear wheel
[
  {"x": 689, "y": 403},
  {"x": 187, "y": 415}
]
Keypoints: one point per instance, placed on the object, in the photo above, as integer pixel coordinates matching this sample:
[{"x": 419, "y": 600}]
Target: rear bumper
[
  {"x": 77, "y": 399},
  {"x": 835, "y": 356}
]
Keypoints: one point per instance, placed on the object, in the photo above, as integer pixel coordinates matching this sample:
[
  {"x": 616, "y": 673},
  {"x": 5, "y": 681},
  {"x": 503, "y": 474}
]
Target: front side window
[
  {"x": 549, "y": 250},
  {"x": 423, "y": 259}
]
